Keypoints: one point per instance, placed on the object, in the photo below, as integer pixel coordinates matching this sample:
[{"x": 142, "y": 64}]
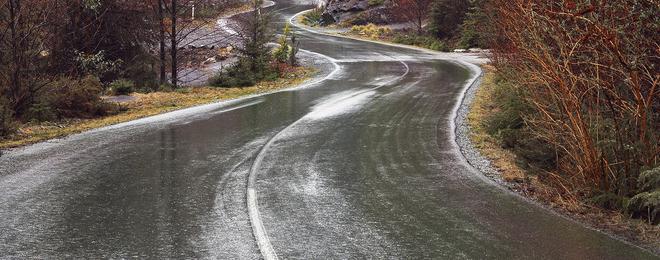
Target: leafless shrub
[{"x": 590, "y": 69}]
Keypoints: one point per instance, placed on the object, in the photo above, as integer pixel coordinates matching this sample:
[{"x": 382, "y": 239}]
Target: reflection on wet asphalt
[{"x": 360, "y": 165}]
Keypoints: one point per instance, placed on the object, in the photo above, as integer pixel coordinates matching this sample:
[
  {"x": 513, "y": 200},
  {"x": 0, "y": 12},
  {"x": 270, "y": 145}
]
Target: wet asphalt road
[{"x": 359, "y": 165}]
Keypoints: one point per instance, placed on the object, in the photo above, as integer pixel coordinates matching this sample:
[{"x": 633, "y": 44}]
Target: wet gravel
[{"x": 463, "y": 130}]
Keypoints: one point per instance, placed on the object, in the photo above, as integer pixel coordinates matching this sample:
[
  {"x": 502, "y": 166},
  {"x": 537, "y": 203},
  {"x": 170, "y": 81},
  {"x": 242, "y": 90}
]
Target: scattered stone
[
  {"x": 335, "y": 9},
  {"x": 209, "y": 61},
  {"x": 327, "y": 19}
]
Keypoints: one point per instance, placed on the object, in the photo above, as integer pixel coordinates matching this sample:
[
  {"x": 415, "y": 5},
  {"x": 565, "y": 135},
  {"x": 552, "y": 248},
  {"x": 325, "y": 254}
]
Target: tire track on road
[{"x": 260, "y": 234}]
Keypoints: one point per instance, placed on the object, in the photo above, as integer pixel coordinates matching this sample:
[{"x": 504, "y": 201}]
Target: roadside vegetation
[
  {"x": 257, "y": 61},
  {"x": 60, "y": 62},
  {"x": 312, "y": 18},
  {"x": 584, "y": 84},
  {"x": 441, "y": 25},
  {"x": 571, "y": 104},
  {"x": 146, "y": 104},
  {"x": 499, "y": 131},
  {"x": 384, "y": 33}
]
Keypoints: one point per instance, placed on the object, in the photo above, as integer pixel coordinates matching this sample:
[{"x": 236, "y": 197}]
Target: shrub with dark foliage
[{"x": 70, "y": 98}]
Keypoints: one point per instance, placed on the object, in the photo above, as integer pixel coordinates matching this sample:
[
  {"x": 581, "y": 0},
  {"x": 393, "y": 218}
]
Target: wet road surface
[{"x": 362, "y": 164}]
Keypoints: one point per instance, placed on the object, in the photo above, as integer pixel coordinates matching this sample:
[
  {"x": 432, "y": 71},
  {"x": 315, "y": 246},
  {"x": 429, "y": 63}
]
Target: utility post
[{"x": 193, "y": 11}]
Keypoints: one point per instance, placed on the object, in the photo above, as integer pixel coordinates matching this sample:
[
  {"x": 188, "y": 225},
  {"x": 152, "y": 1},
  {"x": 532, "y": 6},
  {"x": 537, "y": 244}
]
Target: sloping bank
[{"x": 483, "y": 152}]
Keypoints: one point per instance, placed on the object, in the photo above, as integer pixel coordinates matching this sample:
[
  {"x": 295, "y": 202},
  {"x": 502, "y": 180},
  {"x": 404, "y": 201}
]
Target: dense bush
[
  {"x": 446, "y": 17},
  {"x": 421, "y": 41},
  {"x": 646, "y": 204},
  {"x": 371, "y": 31},
  {"x": 506, "y": 122},
  {"x": 590, "y": 73},
  {"x": 241, "y": 74},
  {"x": 313, "y": 17},
  {"x": 70, "y": 98},
  {"x": 122, "y": 87},
  {"x": 6, "y": 118},
  {"x": 649, "y": 180},
  {"x": 511, "y": 107}
]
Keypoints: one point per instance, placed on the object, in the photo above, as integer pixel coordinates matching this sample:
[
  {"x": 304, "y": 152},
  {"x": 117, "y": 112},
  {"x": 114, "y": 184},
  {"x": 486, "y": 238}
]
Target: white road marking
[{"x": 263, "y": 241}]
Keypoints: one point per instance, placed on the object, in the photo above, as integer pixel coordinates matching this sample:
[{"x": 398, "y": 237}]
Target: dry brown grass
[
  {"x": 503, "y": 160},
  {"x": 145, "y": 105},
  {"x": 589, "y": 70}
]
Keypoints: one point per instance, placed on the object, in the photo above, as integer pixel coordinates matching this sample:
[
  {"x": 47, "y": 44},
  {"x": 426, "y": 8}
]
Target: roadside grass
[
  {"x": 311, "y": 18},
  {"x": 482, "y": 109},
  {"x": 145, "y": 105},
  {"x": 386, "y": 34}
]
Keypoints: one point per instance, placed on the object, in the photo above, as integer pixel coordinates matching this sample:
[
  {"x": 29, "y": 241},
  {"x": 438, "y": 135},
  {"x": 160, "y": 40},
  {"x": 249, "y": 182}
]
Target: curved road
[{"x": 361, "y": 164}]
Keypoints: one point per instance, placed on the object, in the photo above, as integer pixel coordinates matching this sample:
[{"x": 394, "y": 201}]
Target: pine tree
[
  {"x": 447, "y": 16},
  {"x": 472, "y": 29}
]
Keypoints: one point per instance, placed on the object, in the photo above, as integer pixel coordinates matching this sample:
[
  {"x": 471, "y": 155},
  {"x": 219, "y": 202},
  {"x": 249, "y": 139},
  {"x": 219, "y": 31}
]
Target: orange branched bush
[{"x": 590, "y": 69}]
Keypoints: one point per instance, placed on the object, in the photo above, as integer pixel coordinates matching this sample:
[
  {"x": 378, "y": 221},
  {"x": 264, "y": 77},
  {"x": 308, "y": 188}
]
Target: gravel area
[{"x": 463, "y": 131}]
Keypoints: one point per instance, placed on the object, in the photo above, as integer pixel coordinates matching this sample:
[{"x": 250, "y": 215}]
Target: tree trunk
[
  {"x": 173, "y": 38},
  {"x": 161, "y": 36},
  {"x": 15, "y": 79}
]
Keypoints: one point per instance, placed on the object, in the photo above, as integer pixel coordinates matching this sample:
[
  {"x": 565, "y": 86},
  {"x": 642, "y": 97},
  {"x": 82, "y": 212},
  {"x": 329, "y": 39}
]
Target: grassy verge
[
  {"x": 311, "y": 18},
  {"x": 484, "y": 109},
  {"x": 144, "y": 105},
  {"x": 385, "y": 34},
  {"x": 503, "y": 160}
]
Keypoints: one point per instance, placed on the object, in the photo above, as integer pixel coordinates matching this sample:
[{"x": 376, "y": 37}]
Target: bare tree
[
  {"x": 23, "y": 38},
  {"x": 160, "y": 12},
  {"x": 413, "y": 11},
  {"x": 174, "y": 42},
  {"x": 591, "y": 73},
  {"x": 186, "y": 37}
]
